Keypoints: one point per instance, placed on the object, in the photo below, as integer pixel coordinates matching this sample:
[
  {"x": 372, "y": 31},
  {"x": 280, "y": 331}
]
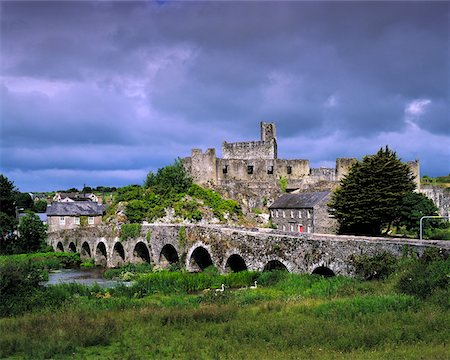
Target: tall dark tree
[
  {"x": 8, "y": 194},
  {"x": 370, "y": 197},
  {"x": 24, "y": 201},
  {"x": 8, "y": 221}
]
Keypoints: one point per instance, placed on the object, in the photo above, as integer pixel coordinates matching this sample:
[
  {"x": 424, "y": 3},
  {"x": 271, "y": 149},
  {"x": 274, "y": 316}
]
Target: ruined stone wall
[
  {"x": 440, "y": 196},
  {"x": 257, "y": 170},
  {"x": 415, "y": 170},
  {"x": 203, "y": 167},
  {"x": 323, "y": 174},
  {"x": 250, "y": 150},
  {"x": 343, "y": 166}
]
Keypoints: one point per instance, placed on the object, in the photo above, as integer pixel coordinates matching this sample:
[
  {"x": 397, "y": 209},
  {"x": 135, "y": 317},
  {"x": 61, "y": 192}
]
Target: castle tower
[{"x": 268, "y": 131}]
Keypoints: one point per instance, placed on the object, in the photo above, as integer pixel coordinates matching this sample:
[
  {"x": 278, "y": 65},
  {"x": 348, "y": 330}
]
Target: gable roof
[
  {"x": 76, "y": 208},
  {"x": 299, "y": 201}
]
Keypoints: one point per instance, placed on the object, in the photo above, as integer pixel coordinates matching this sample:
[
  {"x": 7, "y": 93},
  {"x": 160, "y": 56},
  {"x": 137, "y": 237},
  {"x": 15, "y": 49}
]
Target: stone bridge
[{"x": 196, "y": 247}]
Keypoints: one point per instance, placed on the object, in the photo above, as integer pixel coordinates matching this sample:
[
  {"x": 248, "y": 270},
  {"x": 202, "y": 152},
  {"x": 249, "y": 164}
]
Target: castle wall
[
  {"x": 343, "y": 166},
  {"x": 415, "y": 170},
  {"x": 203, "y": 166},
  {"x": 250, "y": 150},
  {"x": 323, "y": 174}
]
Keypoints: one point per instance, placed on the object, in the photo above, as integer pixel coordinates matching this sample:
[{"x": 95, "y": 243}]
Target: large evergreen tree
[
  {"x": 8, "y": 221},
  {"x": 370, "y": 197}
]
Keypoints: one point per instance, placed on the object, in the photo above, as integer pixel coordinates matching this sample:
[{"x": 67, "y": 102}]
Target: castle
[{"x": 256, "y": 164}]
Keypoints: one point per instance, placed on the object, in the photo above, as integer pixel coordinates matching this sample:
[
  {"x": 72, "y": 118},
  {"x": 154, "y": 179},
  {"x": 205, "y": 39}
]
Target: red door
[{"x": 300, "y": 228}]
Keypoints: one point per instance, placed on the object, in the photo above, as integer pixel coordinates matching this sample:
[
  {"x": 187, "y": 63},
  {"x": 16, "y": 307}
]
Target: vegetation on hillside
[{"x": 171, "y": 188}]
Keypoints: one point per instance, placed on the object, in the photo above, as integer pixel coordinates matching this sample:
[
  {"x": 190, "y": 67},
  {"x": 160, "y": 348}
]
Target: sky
[{"x": 102, "y": 92}]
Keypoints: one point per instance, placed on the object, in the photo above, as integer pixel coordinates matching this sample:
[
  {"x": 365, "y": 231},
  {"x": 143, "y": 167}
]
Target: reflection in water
[{"x": 81, "y": 276}]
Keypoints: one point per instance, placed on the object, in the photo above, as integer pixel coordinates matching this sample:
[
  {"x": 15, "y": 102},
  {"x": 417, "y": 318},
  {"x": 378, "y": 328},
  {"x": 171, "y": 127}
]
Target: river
[{"x": 81, "y": 276}]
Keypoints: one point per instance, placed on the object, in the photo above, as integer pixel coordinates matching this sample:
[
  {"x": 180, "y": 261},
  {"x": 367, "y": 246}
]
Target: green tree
[
  {"x": 8, "y": 194},
  {"x": 413, "y": 207},
  {"x": 32, "y": 233},
  {"x": 370, "y": 197},
  {"x": 40, "y": 206},
  {"x": 171, "y": 179},
  {"x": 8, "y": 221},
  {"x": 24, "y": 201}
]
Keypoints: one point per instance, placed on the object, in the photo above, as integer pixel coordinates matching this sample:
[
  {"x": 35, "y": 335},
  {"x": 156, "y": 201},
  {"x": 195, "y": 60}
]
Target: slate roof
[
  {"x": 76, "y": 208},
  {"x": 299, "y": 201}
]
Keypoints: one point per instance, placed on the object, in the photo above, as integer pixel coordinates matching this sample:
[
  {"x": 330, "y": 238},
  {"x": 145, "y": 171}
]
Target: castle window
[
  {"x": 270, "y": 170},
  {"x": 250, "y": 169},
  {"x": 225, "y": 169},
  {"x": 289, "y": 169}
]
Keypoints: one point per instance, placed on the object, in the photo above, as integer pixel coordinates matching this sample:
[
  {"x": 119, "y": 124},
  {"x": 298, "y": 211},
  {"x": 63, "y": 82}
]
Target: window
[
  {"x": 77, "y": 221},
  {"x": 309, "y": 229},
  {"x": 308, "y": 214},
  {"x": 284, "y": 213},
  {"x": 276, "y": 213},
  {"x": 270, "y": 170},
  {"x": 299, "y": 214},
  {"x": 292, "y": 214},
  {"x": 292, "y": 227},
  {"x": 225, "y": 169},
  {"x": 90, "y": 220},
  {"x": 289, "y": 169},
  {"x": 284, "y": 227},
  {"x": 62, "y": 220},
  {"x": 250, "y": 169}
]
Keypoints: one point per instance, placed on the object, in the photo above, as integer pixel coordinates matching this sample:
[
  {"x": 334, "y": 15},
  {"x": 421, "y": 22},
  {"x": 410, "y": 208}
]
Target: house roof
[
  {"x": 76, "y": 208},
  {"x": 299, "y": 201}
]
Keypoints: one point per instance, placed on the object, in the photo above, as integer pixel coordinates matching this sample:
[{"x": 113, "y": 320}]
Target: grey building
[
  {"x": 70, "y": 215},
  {"x": 303, "y": 213}
]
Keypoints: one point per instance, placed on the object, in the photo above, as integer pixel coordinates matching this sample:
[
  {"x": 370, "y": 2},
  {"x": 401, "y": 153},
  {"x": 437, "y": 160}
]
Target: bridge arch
[
  {"x": 72, "y": 247},
  {"x": 235, "y": 263},
  {"x": 85, "y": 251},
  {"x": 199, "y": 257},
  {"x": 59, "y": 247},
  {"x": 277, "y": 264},
  {"x": 100, "y": 254},
  {"x": 168, "y": 256},
  {"x": 323, "y": 271},
  {"x": 141, "y": 253},
  {"x": 118, "y": 254}
]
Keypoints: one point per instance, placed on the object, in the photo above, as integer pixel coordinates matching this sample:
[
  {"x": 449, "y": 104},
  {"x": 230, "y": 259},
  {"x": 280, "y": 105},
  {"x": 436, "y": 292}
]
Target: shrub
[
  {"x": 375, "y": 267},
  {"x": 129, "y": 231},
  {"x": 422, "y": 279}
]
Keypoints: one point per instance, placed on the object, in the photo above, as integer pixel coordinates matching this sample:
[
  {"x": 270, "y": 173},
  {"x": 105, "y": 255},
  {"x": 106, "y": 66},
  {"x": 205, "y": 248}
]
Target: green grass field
[{"x": 176, "y": 315}]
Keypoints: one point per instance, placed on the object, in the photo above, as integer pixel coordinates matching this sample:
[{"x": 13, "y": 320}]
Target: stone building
[
  {"x": 71, "y": 197},
  {"x": 73, "y": 214},
  {"x": 303, "y": 213}
]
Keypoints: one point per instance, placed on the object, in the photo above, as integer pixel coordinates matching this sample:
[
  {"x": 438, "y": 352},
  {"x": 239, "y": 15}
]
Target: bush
[
  {"x": 130, "y": 231},
  {"x": 18, "y": 282},
  {"x": 422, "y": 279},
  {"x": 375, "y": 267}
]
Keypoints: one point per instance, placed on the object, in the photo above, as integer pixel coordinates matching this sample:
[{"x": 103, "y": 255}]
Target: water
[{"x": 81, "y": 276}]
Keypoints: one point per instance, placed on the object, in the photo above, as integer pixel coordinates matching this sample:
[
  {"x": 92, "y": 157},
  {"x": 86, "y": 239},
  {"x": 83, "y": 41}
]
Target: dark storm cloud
[{"x": 106, "y": 89}]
